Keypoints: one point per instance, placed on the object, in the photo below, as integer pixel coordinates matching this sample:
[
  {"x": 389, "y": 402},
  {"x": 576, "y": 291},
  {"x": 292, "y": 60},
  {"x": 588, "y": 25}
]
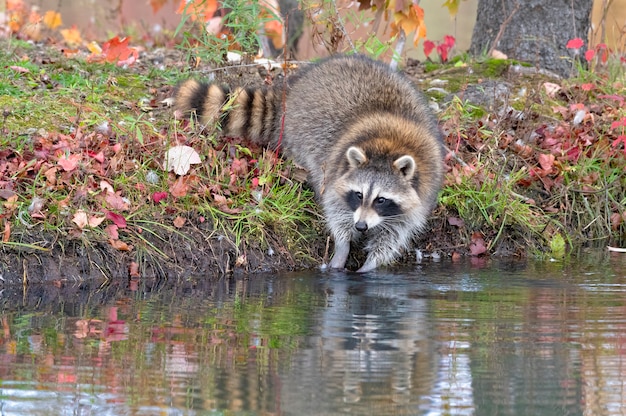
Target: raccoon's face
[
  {"x": 371, "y": 206},
  {"x": 378, "y": 195}
]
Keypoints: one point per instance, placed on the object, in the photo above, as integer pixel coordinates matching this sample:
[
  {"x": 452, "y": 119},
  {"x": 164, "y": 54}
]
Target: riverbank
[{"x": 535, "y": 166}]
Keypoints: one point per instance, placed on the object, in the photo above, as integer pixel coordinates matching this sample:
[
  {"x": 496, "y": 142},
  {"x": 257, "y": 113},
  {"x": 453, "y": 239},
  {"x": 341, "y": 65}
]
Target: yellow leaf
[
  {"x": 52, "y": 19},
  {"x": 94, "y": 48},
  {"x": 453, "y": 6},
  {"x": 72, "y": 36}
]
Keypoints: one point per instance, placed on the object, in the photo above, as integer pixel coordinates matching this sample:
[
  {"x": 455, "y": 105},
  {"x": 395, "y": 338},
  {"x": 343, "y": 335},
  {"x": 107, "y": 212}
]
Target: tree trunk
[{"x": 534, "y": 31}]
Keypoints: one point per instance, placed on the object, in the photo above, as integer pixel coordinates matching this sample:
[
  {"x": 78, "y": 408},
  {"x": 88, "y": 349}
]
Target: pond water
[{"x": 479, "y": 337}]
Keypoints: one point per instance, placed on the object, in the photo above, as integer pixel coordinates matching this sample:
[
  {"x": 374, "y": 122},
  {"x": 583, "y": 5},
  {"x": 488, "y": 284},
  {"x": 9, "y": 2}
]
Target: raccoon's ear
[
  {"x": 405, "y": 165},
  {"x": 356, "y": 156}
]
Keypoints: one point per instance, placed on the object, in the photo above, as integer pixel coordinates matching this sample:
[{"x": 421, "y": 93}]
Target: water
[{"x": 482, "y": 337}]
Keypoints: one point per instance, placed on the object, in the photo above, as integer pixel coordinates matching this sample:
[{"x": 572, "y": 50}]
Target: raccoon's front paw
[{"x": 368, "y": 266}]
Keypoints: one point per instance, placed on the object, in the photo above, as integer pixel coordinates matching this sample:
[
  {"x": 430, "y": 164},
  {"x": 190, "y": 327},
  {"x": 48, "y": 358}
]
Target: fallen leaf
[
  {"x": 51, "y": 176},
  {"x": 72, "y": 36},
  {"x": 111, "y": 231},
  {"x": 179, "y": 222},
  {"x": 120, "y": 245},
  {"x": 158, "y": 196},
  {"x": 477, "y": 244},
  {"x": 496, "y": 54},
  {"x": 179, "y": 188},
  {"x": 117, "y": 219},
  {"x": 116, "y": 50},
  {"x": 104, "y": 185},
  {"x": 69, "y": 162},
  {"x": 133, "y": 269},
  {"x": 19, "y": 69},
  {"x": 94, "y": 221},
  {"x": 180, "y": 158},
  {"x": 456, "y": 221},
  {"x": 551, "y": 88},
  {"x": 6, "y": 234},
  {"x": 80, "y": 219},
  {"x": 546, "y": 161},
  {"x": 115, "y": 201}
]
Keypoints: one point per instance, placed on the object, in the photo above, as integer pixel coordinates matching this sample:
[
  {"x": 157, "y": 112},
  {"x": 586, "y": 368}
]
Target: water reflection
[{"x": 478, "y": 338}]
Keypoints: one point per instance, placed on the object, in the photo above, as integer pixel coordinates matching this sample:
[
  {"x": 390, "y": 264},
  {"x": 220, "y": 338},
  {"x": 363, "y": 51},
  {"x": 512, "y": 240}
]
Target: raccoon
[{"x": 365, "y": 135}]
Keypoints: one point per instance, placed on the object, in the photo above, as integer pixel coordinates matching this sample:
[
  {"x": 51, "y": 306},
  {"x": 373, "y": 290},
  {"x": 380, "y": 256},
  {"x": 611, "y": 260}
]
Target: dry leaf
[
  {"x": 179, "y": 222},
  {"x": 72, "y": 36},
  {"x": 7, "y": 231},
  {"x": 69, "y": 162},
  {"x": 179, "y": 159},
  {"x": 52, "y": 19},
  {"x": 80, "y": 219},
  {"x": 120, "y": 245},
  {"x": 94, "y": 221},
  {"x": 179, "y": 188}
]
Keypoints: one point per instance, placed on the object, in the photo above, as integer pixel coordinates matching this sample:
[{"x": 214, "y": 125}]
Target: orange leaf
[
  {"x": 7, "y": 231},
  {"x": 411, "y": 20},
  {"x": 179, "y": 188},
  {"x": 71, "y": 36},
  {"x": 157, "y": 5},
  {"x": 52, "y": 19},
  {"x": 120, "y": 245},
  {"x": 117, "y": 50},
  {"x": 195, "y": 9}
]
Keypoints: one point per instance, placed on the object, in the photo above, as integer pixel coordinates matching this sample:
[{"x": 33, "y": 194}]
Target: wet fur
[{"x": 358, "y": 128}]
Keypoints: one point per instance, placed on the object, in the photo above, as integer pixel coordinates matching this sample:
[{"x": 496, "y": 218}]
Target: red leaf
[
  {"x": 428, "y": 47},
  {"x": 618, "y": 123},
  {"x": 117, "y": 219},
  {"x": 590, "y": 54},
  {"x": 442, "y": 50},
  {"x": 97, "y": 156},
  {"x": 575, "y": 43},
  {"x": 449, "y": 41},
  {"x": 158, "y": 196}
]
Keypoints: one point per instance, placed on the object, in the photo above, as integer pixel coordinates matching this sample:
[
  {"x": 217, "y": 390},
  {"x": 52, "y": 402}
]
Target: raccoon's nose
[{"x": 361, "y": 226}]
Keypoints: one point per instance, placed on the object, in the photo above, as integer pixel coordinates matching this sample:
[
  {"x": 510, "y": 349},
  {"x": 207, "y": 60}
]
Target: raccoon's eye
[
  {"x": 380, "y": 200},
  {"x": 359, "y": 195}
]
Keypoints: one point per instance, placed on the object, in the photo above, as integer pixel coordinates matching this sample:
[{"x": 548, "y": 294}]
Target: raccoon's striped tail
[{"x": 248, "y": 112}]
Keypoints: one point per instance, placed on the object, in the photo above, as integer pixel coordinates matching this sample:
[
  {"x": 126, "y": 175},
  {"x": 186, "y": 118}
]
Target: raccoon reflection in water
[{"x": 365, "y": 135}]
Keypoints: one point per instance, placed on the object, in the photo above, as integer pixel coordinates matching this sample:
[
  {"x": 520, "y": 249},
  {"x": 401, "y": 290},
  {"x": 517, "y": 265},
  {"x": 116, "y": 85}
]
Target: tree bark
[{"x": 534, "y": 31}]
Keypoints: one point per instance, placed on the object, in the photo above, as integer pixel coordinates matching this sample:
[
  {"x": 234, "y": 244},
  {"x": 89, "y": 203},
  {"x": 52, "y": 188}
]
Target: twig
[
  {"x": 397, "y": 53},
  {"x": 502, "y": 27},
  {"x": 342, "y": 27}
]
